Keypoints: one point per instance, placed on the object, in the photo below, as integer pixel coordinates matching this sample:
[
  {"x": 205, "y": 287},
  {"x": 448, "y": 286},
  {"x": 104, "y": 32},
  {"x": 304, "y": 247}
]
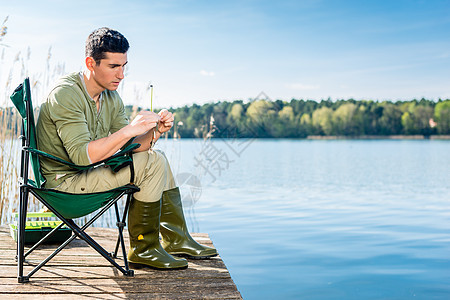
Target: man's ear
[{"x": 90, "y": 63}]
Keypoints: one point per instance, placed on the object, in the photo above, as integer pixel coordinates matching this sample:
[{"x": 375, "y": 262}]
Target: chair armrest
[
  {"x": 116, "y": 161},
  {"x": 122, "y": 158}
]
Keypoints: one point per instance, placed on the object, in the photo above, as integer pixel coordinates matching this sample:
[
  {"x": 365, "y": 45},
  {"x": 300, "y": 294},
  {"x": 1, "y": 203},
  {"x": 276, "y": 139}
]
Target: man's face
[{"x": 109, "y": 72}]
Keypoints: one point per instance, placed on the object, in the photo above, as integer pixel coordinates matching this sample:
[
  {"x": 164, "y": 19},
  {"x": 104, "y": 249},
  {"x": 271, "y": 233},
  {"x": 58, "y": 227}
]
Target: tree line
[{"x": 302, "y": 118}]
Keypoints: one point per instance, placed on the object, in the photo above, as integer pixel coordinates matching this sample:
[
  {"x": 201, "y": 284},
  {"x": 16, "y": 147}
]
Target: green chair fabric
[
  {"x": 73, "y": 206},
  {"x": 20, "y": 97}
]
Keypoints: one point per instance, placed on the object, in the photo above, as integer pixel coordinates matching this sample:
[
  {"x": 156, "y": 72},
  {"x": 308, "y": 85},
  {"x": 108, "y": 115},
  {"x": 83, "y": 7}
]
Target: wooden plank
[
  {"x": 79, "y": 272},
  {"x": 98, "y": 261},
  {"x": 105, "y": 272},
  {"x": 114, "y": 286},
  {"x": 126, "y": 295}
]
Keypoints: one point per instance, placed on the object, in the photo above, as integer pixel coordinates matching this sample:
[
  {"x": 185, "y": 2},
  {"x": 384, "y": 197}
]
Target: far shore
[
  {"x": 323, "y": 137},
  {"x": 379, "y": 137}
]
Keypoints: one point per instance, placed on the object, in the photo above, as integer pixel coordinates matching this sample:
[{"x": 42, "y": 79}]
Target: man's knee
[
  {"x": 159, "y": 160},
  {"x": 140, "y": 159},
  {"x": 153, "y": 176},
  {"x": 150, "y": 162}
]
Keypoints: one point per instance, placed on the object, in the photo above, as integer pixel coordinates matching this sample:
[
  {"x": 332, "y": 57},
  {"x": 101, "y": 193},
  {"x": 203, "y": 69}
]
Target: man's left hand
[{"x": 166, "y": 121}]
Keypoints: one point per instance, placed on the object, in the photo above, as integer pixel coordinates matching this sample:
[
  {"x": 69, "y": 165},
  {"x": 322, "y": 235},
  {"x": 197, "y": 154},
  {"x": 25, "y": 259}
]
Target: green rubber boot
[
  {"x": 176, "y": 239},
  {"x": 145, "y": 249}
]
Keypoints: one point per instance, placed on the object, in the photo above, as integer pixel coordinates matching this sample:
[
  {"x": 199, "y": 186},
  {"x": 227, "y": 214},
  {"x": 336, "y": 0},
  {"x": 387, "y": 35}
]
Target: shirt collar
[{"x": 85, "y": 88}]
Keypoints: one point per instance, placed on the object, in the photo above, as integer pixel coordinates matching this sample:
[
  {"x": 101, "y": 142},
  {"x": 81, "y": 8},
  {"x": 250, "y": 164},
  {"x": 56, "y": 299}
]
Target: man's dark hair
[{"x": 105, "y": 40}]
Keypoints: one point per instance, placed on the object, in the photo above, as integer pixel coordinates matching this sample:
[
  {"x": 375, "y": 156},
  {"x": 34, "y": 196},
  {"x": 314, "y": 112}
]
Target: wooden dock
[{"x": 79, "y": 272}]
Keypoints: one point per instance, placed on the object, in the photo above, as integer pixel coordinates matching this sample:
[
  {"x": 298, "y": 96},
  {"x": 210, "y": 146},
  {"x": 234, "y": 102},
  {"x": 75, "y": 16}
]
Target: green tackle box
[{"x": 38, "y": 224}]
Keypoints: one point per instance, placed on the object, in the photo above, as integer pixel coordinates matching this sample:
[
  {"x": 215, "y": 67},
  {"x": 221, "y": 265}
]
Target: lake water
[{"x": 298, "y": 219}]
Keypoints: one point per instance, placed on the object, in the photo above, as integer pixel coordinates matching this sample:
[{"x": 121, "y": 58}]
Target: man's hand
[
  {"x": 143, "y": 122},
  {"x": 140, "y": 128},
  {"x": 166, "y": 121}
]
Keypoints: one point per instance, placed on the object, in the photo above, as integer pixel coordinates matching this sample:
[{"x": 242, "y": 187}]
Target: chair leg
[
  {"x": 46, "y": 237},
  {"x": 124, "y": 217},
  {"x": 120, "y": 226},
  {"x": 120, "y": 239},
  {"x": 23, "y": 202}
]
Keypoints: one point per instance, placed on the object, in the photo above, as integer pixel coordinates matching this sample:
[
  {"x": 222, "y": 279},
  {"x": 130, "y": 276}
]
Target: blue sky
[{"x": 203, "y": 51}]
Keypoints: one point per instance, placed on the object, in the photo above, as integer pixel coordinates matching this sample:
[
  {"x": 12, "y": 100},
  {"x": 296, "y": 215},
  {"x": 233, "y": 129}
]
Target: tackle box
[{"x": 38, "y": 224}]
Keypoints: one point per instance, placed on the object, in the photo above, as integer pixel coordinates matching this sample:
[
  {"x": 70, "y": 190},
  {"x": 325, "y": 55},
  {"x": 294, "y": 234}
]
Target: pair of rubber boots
[{"x": 147, "y": 219}]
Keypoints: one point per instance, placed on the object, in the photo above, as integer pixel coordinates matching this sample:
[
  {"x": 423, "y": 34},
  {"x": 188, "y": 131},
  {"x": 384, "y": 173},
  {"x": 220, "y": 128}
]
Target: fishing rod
[
  {"x": 152, "y": 143},
  {"x": 151, "y": 97}
]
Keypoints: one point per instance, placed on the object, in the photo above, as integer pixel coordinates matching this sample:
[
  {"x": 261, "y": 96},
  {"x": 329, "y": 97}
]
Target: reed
[
  {"x": 8, "y": 171},
  {"x": 12, "y": 72},
  {"x": 10, "y": 126}
]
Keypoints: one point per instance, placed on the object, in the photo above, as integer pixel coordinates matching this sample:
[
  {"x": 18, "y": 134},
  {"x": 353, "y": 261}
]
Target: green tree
[
  {"x": 390, "y": 122},
  {"x": 421, "y": 117},
  {"x": 344, "y": 119},
  {"x": 237, "y": 111},
  {"x": 322, "y": 120},
  {"x": 408, "y": 123},
  {"x": 236, "y": 120},
  {"x": 442, "y": 116},
  {"x": 287, "y": 113},
  {"x": 261, "y": 116},
  {"x": 306, "y": 126},
  {"x": 259, "y": 110},
  {"x": 359, "y": 120},
  {"x": 285, "y": 126}
]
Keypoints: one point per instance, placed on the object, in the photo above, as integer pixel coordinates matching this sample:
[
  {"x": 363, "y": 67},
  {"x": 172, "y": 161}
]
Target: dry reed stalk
[
  {"x": 10, "y": 122},
  {"x": 8, "y": 155},
  {"x": 3, "y": 30},
  {"x": 2, "y": 133}
]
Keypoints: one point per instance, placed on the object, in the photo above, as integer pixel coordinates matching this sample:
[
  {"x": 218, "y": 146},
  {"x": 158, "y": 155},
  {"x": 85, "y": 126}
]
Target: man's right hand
[{"x": 142, "y": 123}]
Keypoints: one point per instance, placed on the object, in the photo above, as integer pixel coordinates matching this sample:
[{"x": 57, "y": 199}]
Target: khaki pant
[{"x": 152, "y": 175}]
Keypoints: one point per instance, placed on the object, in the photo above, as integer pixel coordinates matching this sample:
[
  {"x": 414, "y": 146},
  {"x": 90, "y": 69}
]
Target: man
[{"x": 83, "y": 121}]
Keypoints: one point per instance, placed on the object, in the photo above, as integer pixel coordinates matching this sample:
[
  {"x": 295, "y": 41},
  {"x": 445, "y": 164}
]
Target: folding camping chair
[{"x": 66, "y": 206}]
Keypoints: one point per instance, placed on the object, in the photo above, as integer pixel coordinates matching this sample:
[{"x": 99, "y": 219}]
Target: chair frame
[{"x": 26, "y": 189}]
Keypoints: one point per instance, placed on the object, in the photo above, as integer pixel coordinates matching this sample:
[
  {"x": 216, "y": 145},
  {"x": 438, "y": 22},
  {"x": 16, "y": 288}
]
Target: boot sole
[
  {"x": 144, "y": 266},
  {"x": 193, "y": 257}
]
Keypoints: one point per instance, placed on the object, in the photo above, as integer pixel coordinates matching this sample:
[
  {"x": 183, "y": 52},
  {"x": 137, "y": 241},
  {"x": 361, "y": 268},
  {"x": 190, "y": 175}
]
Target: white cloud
[
  {"x": 206, "y": 73},
  {"x": 303, "y": 87}
]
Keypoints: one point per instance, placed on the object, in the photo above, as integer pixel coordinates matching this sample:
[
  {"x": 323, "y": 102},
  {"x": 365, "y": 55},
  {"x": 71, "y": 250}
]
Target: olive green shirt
[{"x": 68, "y": 121}]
